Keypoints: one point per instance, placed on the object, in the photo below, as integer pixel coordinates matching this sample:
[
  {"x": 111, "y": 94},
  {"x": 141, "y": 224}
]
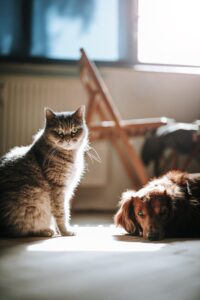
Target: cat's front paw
[
  {"x": 68, "y": 233},
  {"x": 43, "y": 233},
  {"x": 48, "y": 232}
]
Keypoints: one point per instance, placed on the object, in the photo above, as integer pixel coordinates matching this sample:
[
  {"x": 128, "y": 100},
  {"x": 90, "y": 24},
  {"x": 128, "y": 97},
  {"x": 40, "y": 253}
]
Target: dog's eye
[{"x": 140, "y": 214}]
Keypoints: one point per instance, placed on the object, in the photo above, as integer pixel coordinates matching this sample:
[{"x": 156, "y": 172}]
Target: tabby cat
[{"x": 38, "y": 181}]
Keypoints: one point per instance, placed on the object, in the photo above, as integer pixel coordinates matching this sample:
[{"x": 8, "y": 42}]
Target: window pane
[
  {"x": 57, "y": 29},
  {"x": 168, "y": 32},
  {"x": 61, "y": 27},
  {"x": 9, "y": 25}
]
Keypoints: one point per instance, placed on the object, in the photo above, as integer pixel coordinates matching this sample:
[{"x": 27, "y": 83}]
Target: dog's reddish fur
[{"x": 168, "y": 206}]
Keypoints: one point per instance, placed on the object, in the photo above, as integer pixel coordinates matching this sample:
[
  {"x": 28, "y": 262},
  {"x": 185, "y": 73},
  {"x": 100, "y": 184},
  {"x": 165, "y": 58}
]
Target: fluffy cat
[{"x": 38, "y": 181}]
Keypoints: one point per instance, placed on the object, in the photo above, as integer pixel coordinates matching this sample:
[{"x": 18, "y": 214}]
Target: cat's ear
[
  {"x": 49, "y": 114},
  {"x": 80, "y": 112}
]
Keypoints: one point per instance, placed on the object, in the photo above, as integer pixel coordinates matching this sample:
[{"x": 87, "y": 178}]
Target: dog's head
[{"x": 145, "y": 213}]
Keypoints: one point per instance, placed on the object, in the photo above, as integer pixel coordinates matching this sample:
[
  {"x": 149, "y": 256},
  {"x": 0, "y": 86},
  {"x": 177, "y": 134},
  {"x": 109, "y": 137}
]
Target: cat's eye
[
  {"x": 140, "y": 214},
  {"x": 74, "y": 130},
  {"x": 60, "y": 134}
]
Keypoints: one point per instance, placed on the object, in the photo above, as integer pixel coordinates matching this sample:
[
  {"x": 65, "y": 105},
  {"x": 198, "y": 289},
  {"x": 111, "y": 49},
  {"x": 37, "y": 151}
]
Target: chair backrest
[
  {"x": 101, "y": 102},
  {"x": 97, "y": 90}
]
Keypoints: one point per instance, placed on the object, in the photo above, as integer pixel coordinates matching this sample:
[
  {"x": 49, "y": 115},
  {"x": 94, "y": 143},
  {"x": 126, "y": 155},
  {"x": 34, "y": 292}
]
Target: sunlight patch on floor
[{"x": 96, "y": 238}]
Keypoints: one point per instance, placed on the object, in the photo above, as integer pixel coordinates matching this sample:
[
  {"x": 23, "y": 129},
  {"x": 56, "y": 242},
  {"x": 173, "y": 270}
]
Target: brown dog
[{"x": 166, "y": 207}]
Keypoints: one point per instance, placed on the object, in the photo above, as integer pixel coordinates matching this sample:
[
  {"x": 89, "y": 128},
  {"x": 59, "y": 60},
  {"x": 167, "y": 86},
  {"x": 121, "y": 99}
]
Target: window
[
  {"x": 70, "y": 25},
  {"x": 164, "y": 32},
  {"x": 169, "y": 32},
  {"x": 57, "y": 29}
]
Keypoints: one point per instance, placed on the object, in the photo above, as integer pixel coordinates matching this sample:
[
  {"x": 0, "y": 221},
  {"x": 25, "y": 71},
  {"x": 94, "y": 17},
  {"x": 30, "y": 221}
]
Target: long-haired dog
[{"x": 168, "y": 206}]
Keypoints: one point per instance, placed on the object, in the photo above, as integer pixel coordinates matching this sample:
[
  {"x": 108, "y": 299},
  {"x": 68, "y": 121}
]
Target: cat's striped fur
[{"x": 38, "y": 181}]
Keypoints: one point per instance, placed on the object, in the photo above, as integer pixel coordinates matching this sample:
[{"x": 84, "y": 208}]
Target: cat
[{"x": 37, "y": 181}]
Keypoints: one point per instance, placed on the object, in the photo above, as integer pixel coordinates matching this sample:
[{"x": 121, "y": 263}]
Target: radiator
[{"x": 23, "y": 100}]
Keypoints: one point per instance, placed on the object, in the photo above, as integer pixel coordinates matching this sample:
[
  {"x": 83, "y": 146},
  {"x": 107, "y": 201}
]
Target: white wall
[{"x": 145, "y": 94}]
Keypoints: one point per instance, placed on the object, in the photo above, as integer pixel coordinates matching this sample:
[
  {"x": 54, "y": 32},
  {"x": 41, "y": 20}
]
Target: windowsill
[
  {"x": 37, "y": 69},
  {"x": 167, "y": 69},
  {"x": 71, "y": 68}
]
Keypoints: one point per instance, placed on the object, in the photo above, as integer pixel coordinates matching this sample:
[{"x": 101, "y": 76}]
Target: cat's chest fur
[{"x": 65, "y": 169}]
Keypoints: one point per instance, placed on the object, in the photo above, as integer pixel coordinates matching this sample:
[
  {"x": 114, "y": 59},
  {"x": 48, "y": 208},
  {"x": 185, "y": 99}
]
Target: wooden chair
[{"x": 119, "y": 132}]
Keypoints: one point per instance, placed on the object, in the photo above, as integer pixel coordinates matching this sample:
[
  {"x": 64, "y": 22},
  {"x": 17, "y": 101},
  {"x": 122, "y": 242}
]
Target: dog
[
  {"x": 167, "y": 207},
  {"x": 181, "y": 138}
]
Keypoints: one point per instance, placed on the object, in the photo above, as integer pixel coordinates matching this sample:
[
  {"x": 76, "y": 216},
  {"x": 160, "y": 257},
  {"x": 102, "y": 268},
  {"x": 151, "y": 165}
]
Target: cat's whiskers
[{"x": 93, "y": 154}]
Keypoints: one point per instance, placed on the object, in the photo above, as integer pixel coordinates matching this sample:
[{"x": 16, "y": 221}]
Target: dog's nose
[{"x": 153, "y": 235}]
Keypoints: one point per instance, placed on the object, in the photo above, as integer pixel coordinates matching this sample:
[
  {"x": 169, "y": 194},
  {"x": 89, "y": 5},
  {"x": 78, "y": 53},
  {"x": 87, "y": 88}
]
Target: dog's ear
[{"x": 125, "y": 215}]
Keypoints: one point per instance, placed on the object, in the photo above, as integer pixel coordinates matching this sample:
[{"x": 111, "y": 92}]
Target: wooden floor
[{"x": 99, "y": 263}]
